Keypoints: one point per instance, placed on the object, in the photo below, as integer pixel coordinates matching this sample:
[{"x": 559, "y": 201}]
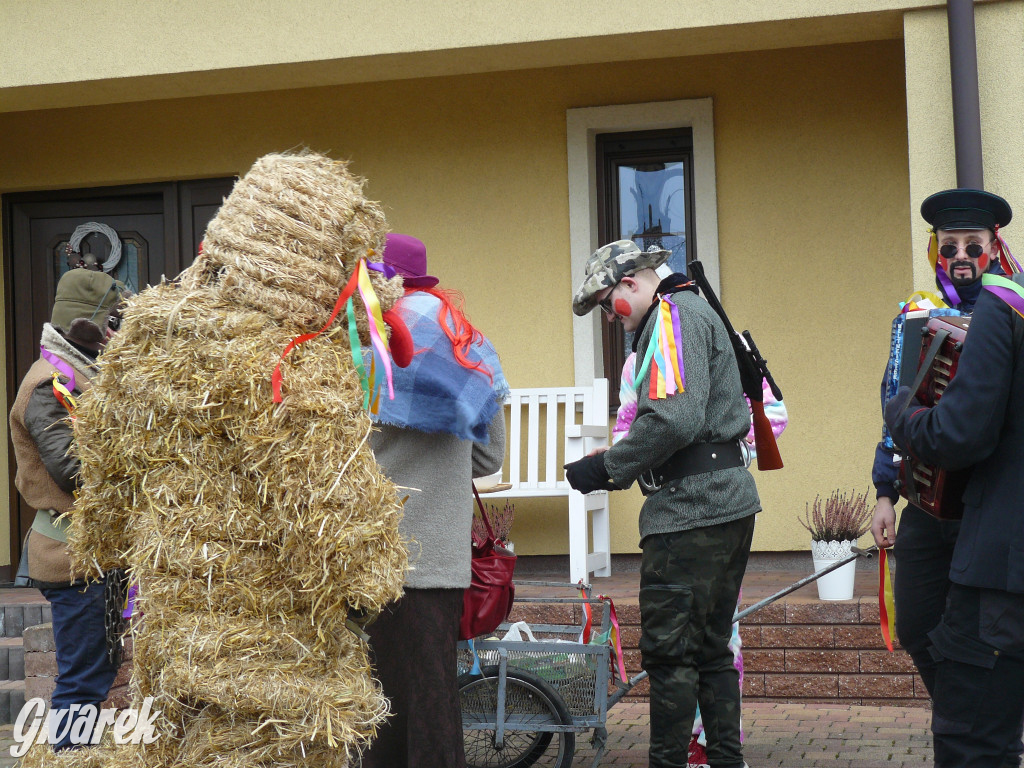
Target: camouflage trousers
[{"x": 689, "y": 584}]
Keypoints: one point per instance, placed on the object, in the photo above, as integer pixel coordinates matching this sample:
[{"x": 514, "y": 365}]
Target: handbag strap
[{"x": 483, "y": 512}]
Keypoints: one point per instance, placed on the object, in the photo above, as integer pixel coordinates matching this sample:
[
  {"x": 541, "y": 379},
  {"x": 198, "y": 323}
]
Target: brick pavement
[
  {"x": 789, "y": 736},
  {"x": 777, "y": 736}
]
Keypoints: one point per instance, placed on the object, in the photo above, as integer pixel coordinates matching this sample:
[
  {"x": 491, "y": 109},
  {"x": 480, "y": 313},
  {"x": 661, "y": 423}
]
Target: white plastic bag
[{"x": 518, "y": 633}]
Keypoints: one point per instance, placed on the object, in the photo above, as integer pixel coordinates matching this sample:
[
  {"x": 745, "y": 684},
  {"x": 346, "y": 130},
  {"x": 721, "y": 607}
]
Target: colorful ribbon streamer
[
  {"x": 475, "y": 671},
  {"x": 912, "y": 301},
  {"x": 664, "y": 354},
  {"x": 615, "y": 639},
  {"x": 129, "y": 601},
  {"x": 588, "y": 616},
  {"x": 1005, "y": 289},
  {"x": 886, "y": 606},
  {"x": 940, "y": 273},
  {"x": 60, "y": 365},
  {"x": 64, "y": 397},
  {"x": 359, "y": 281},
  {"x": 356, "y": 348},
  {"x": 376, "y": 323},
  {"x": 1009, "y": 264}
]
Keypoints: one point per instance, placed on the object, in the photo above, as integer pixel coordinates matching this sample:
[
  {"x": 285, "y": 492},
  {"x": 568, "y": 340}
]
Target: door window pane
[
  {"x": 645, "y": 194},
  {"x": 652, "y": 207}
]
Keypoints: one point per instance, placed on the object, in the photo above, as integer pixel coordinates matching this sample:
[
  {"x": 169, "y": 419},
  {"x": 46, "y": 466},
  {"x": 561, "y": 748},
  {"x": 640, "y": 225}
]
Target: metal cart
[{"x": 524, "y": 702}]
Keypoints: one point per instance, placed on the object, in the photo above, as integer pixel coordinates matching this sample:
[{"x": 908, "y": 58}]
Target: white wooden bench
[{"x": 536, "y": 420}]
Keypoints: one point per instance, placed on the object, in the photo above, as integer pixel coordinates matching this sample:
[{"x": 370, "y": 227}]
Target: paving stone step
[
  {"x": 12, "y": 699},
  {"x": 12, "y": 659},
  {"x": 14, "y": 617}
]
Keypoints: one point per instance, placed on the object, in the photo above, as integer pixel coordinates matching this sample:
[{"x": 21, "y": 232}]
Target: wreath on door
[{"x": 82, "y": 230}]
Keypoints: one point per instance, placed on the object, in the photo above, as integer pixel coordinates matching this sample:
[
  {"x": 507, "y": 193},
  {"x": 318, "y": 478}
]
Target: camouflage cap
[{"x": 608, "y": 265}]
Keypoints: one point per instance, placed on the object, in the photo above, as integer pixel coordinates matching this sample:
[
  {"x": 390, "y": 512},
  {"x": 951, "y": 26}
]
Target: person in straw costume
[{"x": 226, "y": 460}]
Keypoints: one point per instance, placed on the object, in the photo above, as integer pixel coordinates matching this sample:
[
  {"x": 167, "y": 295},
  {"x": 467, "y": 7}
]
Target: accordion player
[{"x": 938, "y": 492}]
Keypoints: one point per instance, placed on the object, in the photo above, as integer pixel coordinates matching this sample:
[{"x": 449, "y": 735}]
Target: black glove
[
  {"x": 588, "y": 474},
  {"x": 896, "y": 412}
]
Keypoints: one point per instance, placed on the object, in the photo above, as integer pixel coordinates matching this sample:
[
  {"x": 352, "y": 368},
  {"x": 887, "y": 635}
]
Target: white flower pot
[{"x": 837, "y": 585}]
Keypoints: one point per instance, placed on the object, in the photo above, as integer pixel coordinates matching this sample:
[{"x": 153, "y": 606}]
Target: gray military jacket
[{"x": 711, "y": 409}]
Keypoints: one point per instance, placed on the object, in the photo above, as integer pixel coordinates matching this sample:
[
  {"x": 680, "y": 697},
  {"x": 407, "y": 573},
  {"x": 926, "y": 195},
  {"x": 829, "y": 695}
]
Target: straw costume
[{"x": 252, "y": 527}]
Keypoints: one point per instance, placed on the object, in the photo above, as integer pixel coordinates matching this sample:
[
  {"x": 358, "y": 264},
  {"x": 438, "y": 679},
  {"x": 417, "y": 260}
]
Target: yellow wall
[
  {"x": 139, "y": 50},
  {"x": 812, "y": 182},
  {"x": 930, "y": 108}
]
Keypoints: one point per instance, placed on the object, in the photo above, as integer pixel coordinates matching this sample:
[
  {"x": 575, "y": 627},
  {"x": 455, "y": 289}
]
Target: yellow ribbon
[
  {"x": 673, "y": 349},
  {"x": 934, "y": 298},
  {"x": 64, "y": 397}
]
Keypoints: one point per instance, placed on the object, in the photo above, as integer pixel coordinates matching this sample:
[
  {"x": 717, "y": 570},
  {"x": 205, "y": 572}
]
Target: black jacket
[{"x": 980, "y": 421}]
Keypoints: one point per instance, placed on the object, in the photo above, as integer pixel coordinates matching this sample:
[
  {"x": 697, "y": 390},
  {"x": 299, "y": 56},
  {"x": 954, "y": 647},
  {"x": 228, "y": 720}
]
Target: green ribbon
[{"x": 357, "y": 353}]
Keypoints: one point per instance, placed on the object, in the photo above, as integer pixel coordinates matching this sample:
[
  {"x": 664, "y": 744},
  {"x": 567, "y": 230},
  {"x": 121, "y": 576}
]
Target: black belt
[{"x": 694, "y": 459}]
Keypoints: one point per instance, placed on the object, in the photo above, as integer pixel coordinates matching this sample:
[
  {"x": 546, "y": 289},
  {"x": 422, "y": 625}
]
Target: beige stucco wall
[
  {"x": 999, "y": 30},
  {"x": 812, "y": 207},
  {"x": 54, "y": 53}
]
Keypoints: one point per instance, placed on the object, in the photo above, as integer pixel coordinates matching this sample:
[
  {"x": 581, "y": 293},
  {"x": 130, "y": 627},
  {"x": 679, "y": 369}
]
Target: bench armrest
[{"x": 586, "y": 430}]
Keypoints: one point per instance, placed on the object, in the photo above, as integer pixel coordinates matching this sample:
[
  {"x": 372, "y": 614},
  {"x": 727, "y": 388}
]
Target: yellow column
[
  {"x": 1000, "y": 35},
  {"x": 929, "y": 125}
]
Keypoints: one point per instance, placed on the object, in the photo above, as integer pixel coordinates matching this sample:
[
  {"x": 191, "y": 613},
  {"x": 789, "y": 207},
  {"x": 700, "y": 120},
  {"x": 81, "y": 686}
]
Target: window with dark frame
[{"x": 644, "y": 194}]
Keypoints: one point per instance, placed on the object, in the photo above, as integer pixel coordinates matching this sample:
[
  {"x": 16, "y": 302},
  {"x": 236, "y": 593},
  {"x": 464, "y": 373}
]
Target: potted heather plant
[
  {"x": 501, "y": 523},
  {"x": 835, "y": 525}
]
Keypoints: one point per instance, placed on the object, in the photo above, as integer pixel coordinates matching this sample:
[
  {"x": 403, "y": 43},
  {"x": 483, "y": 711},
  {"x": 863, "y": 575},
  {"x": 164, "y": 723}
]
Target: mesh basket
[{"x": 573, "y": 673}]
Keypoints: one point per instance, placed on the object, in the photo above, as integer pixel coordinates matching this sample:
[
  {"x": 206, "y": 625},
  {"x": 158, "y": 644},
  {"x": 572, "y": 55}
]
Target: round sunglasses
[{"x": 972, "y": 250}]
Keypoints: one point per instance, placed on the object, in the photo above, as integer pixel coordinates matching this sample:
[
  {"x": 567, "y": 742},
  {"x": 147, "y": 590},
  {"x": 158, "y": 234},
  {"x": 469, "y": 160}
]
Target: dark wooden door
[{"x": 159, "y": 227}]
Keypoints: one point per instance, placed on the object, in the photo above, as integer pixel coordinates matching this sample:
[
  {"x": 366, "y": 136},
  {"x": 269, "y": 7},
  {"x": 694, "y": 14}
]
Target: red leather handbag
[{"x": 488, "y": 601}]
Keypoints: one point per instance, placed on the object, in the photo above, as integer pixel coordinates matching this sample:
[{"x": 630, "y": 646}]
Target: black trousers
[
  {"x": 924, "y": 551},
  {"x": 978, "y": 702},
  {"x": 413, "y": 646}
]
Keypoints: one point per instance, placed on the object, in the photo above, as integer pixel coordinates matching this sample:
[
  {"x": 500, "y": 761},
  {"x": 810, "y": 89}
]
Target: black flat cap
[{"x": 966, "y": 209}]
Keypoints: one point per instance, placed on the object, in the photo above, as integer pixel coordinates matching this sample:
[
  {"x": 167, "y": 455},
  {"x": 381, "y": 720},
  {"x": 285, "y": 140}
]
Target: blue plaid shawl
[{"x": 434, "y": 393}]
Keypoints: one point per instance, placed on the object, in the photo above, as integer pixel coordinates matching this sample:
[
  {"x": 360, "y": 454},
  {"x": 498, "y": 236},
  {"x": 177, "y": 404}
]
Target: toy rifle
[{"x": 753, "y": 369}]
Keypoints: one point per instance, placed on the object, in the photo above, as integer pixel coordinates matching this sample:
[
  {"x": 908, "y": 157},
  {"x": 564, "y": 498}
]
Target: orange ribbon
[
  {"x": 588, "y": 618},
  {"x": 886, "y": 606}
]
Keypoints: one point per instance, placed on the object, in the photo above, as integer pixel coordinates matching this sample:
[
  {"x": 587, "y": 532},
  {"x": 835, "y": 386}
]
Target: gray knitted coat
[
  {"x": 712, "y": 409},
  {"x": 437, "y": 471}
]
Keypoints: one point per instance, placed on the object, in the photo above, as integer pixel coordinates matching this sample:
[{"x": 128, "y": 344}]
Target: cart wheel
[{"x": 529, "y": 702}]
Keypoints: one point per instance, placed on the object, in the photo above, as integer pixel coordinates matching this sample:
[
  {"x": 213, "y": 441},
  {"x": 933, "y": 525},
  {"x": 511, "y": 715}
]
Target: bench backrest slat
[{"x": 543, "y": 471}]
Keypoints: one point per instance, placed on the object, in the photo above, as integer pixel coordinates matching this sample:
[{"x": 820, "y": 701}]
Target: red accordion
[{"x": 938, "y": 492}]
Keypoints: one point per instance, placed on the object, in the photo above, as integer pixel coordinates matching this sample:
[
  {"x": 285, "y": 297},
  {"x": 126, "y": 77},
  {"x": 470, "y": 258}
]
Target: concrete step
[
  {"x": 19, "y": 610},
  {"x": 12, "y": 699},
  {"x": 12, "y": 658},
  {"x": 14, "y": 617}
]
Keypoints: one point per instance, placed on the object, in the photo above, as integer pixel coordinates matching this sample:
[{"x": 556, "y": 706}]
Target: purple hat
[{"x": 409, "y": 258}]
